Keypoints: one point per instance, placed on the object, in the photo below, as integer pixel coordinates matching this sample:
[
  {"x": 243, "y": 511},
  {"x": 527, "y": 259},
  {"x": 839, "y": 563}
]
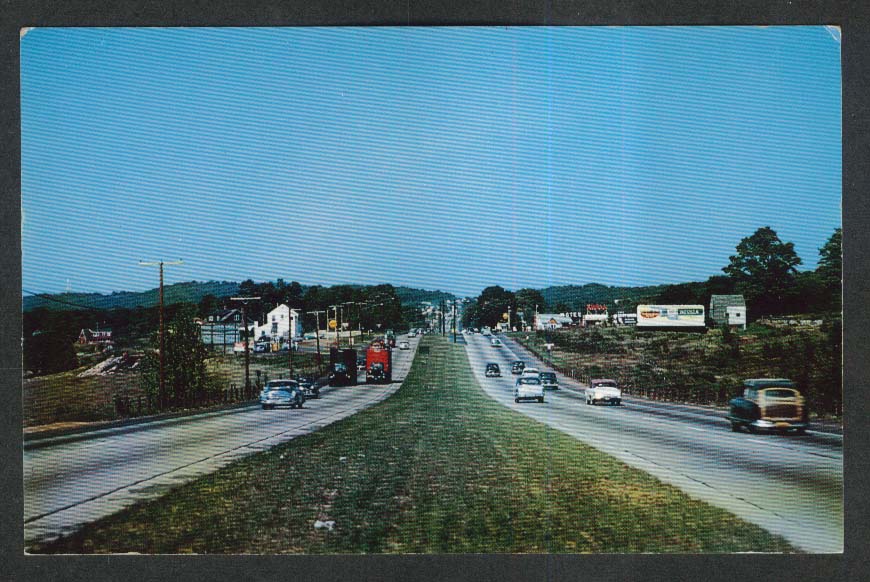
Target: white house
[{"x": 278, "y": 322}]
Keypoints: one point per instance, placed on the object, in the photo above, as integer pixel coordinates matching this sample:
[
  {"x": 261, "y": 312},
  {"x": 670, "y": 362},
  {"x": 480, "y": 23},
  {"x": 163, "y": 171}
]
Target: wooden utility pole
[
  {"x": 454, "y": 321},
  {"x": 162, "y": 391},
  {"x": 317, "y": 337},
  {"x": 244, "y": 301}
]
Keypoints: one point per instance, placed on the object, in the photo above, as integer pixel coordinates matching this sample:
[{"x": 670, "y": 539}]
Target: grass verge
[{"x": 437, "y": 467}]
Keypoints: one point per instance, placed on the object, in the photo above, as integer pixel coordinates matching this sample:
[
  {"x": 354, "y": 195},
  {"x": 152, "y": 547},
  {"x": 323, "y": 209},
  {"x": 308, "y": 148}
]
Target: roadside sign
[
  {"x": 332, "y": 324},
  {"x": 549, "y": 347}
]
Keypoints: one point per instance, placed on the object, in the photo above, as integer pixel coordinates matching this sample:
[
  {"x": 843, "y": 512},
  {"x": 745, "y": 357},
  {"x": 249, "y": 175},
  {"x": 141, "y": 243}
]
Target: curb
[{"x": 51, "y": 438}]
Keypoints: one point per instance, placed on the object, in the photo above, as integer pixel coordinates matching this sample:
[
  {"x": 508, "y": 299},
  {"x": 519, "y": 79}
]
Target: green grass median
[{"x": 437, "y": 467}]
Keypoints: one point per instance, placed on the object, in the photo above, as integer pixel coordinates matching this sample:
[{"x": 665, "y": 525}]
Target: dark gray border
[{"x": 851, "y": 16}]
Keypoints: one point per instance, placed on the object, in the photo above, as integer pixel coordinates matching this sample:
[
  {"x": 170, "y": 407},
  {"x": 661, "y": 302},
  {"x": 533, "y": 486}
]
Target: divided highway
[
  {"x": 789, "y": 485},
  {"x": 70, "y": 483}
]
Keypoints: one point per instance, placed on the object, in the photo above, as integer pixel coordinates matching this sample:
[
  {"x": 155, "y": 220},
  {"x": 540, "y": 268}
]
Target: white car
[
  {"x": 531, "y": 373},
  {"x": 528, "y": 388},
  {"x": 404, "y": 346},
  {"x": 603, "y": 390},
  {"x": 495, "y": 342}
]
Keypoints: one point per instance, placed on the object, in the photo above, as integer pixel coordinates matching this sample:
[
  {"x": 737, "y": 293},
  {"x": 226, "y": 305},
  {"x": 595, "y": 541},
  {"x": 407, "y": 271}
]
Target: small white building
[
  {"x": 728, "y": 309},
  {"x": 278, "y": 323},
  {"x": 551, "y": 321}
]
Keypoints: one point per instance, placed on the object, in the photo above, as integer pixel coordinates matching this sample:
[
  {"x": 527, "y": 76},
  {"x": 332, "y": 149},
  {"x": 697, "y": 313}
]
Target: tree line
[{"x": 763, "y": 269}]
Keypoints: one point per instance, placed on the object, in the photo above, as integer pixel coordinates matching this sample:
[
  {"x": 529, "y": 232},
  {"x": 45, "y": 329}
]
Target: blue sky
[{"x": 450, "y": 158}]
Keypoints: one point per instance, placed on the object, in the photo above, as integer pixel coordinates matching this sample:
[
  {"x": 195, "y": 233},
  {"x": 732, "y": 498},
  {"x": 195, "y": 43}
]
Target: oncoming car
[
  {"x": 495, "y": 342},
  {"x": 603, "y": 390},
  {"x": 492, "y": 370},
  {"x": 517, "y": 367},
  {"x": 531, "y": 372},
  {"x": 281, "y": 393},
  {"x": 528, "y": 388},
  {"x": 404, "y": 346}
]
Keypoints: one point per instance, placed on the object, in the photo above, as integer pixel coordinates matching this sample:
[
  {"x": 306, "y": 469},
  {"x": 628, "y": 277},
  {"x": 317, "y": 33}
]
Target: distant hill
[
  {"x": 577, "y": 296},
  {"x": 188, "y": 292},
  {"x": 410, "y": 295}
]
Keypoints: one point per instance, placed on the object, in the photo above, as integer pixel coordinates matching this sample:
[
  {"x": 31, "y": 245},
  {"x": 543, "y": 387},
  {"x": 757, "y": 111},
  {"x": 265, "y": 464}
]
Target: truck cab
[{"x": 379, "y": 362}]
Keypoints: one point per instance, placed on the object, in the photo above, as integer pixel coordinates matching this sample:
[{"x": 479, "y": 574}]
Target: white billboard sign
[{"x": 670, "y": 316}]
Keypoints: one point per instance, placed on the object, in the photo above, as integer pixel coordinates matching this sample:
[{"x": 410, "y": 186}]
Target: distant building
[
  {"x": 596, "y": 314},
  {"x": 551, "y": 321},
  {"x": 224, "y": 328},
  {"x": 95, "y": 336},
  {"x": 279, "y": 323},
  {"x": 728, "y": 309}
]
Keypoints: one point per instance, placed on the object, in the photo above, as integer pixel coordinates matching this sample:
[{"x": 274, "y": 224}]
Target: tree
[
  {"x": 184, "y": 365},
  {"x": 208, "y": 305},
  {"x": 764, "y": 271},
  {"x": 830, "y": 269},
  {"x": 49, "y": 352},
  {"x": 491, "y": 306},
  {"x": 527, "y": 301}
]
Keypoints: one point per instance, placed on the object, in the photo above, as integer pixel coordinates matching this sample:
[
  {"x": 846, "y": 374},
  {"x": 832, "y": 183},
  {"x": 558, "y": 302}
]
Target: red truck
[{"x": 379, "y": 362}]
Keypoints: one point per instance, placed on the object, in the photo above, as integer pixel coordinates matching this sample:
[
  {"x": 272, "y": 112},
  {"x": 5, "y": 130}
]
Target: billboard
[{"x": 675, "y": 316}]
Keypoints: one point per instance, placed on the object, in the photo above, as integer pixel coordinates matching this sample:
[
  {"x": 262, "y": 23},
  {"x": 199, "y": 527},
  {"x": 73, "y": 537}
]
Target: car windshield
[
  {"x": 281, "y": 391},
  {"x": 605, "y": 384},
  {"x": 377, "y": 366},
  {"x": 340, "y": 368},
  {"x": 548, "y": 376},
  {"x": 492, "y": 366},
  {"x": 529, "y": 381}
]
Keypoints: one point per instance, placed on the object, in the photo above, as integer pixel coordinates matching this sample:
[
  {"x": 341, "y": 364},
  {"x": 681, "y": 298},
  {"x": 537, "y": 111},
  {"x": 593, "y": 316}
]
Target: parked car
[
  {"x": 770, "y": 404},
  {"x": 531, "y": 372},
  {"x": 492, "y": 370},
  {"x": 404, "y": 346},
  {"x": 262, "y": 347},
  {"x": 360, "y": 363},
  {"x": 517, "y": 367},
  {"x": 603, "y": 390},
  {"x": 281, "y": 393},
  {"x": 528, "y": 388},
  {"x": 309, "y": 386},
  {"x": 549, "y": 381},
  {"x": 495, "y": 342}
]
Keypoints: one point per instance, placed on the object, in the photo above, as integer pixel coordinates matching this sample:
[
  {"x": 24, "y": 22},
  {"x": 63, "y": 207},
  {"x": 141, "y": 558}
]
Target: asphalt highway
[
  {"x": 789, "y": 485},
  {"x": 69, "y": 484}
]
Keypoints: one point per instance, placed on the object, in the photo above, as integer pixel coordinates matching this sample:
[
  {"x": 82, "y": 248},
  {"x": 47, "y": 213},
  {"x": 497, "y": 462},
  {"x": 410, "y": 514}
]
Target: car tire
[
  {"x": 751, "y": 429},
  {"x": 619, "y": 402},
  {"x": 517, "y": 400},
  {"x": 541, "y": 400},
  {"x": 265, "y": 407},
  {"x": 735, "y": 427}
]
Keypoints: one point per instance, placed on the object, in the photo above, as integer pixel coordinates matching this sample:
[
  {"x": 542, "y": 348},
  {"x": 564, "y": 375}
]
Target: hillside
[
  {"x": 410, "y": 295},
  {"x": 187, "y": 292},
  {"x": 577, "y": 296}
]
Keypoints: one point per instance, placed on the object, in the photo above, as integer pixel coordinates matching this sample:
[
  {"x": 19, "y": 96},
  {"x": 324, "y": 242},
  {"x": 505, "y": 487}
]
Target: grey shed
[{"x": 720, "y": 303}]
